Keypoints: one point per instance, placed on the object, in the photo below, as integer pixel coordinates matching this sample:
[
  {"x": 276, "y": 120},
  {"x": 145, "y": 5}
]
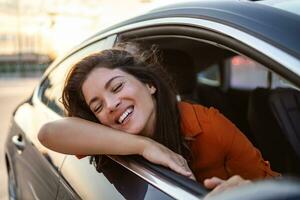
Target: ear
[{"x": 151, "y": 88}]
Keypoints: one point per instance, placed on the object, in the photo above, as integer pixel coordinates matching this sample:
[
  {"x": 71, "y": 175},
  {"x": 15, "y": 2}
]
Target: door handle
[{"x": 19, "y": 142}]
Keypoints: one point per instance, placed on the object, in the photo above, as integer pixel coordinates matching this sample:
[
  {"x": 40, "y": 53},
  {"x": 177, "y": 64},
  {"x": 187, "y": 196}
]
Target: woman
[{"x": 122, "y": 103}]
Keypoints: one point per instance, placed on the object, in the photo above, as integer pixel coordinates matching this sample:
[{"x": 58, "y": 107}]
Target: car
[{"x": 241, "y": 57}]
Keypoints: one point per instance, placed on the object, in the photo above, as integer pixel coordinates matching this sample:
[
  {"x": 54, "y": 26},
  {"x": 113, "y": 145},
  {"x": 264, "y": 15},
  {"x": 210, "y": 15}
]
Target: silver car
[{"x": 241, "y": 57}]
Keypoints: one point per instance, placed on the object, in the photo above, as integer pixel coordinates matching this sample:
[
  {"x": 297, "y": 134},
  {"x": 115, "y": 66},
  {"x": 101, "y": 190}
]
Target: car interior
[{"x": 262, "y": 104}]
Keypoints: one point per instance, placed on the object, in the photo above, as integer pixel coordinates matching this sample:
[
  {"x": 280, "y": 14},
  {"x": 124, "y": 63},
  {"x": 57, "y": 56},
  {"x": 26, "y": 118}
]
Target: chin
[{"x": 134, "y": 131}]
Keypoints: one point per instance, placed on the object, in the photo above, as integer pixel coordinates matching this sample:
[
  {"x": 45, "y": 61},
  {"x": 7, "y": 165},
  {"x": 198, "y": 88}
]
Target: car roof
[{"x": 278, "y": 27}]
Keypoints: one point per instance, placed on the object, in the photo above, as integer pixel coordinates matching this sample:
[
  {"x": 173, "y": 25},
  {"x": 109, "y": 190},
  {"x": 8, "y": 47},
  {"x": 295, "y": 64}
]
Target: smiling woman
[
  {"x": 127, "y": 83},
  {"x": 122, "y": 103}
]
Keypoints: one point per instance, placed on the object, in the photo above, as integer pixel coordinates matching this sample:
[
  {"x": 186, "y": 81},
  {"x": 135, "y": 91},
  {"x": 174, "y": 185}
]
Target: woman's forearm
[{"x": 81, "y": 137}]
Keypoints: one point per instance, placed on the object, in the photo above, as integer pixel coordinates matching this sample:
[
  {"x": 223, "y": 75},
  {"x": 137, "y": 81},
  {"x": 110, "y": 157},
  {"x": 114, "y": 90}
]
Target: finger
[
  {"x": 232, "y": 182},
  {"x": 245, "y": 182},
  {"x": 213, "y": 182},
  {"x": 192, "y": 177},
  {"x": 216, "y": 190},
  {"x": 179, "y": 169},
  {"x": 181, "y": 162},
  {"x": 187, "y": 168}
]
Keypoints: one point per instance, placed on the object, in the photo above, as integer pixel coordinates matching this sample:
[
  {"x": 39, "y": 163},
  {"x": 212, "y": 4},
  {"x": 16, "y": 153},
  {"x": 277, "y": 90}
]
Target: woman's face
[{"x": 120, "y": 101}]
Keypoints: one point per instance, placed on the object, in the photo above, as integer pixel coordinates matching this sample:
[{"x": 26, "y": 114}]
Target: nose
[{"x": 112, "y": 103}]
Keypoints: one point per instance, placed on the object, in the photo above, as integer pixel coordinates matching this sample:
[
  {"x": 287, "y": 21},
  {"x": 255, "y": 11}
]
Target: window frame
[
  {"x": 130, "y": 165},
  {"x": 74, "y": 56},
  {"x": 221, "y": 39},
  {"x": 164, "y": 28}
]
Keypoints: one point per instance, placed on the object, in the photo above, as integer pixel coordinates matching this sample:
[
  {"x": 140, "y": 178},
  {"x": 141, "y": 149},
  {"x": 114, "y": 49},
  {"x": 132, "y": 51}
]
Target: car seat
[
  {"x": 182, "y": 70},
  {"x": 213, "y": 96},
  {"x": 265, "y": 129},
  {"x": 285, "y": 106},
  {"x": 268, "y": 134}
]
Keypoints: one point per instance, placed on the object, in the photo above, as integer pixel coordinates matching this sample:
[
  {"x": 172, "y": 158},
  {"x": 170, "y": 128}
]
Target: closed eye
[
  {"x": 118, "y": 87},
  {"x": 98, "y": 108}
]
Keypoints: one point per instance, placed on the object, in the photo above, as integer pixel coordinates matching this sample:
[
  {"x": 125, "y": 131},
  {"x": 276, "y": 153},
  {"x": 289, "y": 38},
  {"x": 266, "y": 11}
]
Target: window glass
[
  {"x": 51, "y": 88},
  {"x": 210, "y": 76},
  {"x": 112, "y": 181},
  {"x": 279, "y": 82},
  {"x": 247, "y": 74}
]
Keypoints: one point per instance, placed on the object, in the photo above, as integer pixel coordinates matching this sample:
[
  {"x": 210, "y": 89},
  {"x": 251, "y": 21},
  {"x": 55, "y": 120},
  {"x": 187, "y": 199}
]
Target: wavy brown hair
[{"x": 144, "y": 66}]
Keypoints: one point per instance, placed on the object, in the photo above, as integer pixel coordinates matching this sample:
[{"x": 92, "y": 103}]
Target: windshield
[{"x": 292, "y": 6}]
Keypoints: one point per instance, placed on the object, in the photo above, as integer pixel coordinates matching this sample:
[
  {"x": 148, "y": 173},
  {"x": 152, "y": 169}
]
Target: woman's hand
[
  {"x": 219, "y": 185},
  {"x": 159, "y": 154}
]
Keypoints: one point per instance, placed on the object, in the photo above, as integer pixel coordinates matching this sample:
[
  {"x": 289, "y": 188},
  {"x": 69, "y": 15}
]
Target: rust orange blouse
[{"x": 218, "y": 146}]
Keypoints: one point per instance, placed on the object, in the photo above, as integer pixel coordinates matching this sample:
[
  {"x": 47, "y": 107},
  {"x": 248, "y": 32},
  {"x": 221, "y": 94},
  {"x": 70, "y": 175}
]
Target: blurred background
[{"x": 34, "y": 32}]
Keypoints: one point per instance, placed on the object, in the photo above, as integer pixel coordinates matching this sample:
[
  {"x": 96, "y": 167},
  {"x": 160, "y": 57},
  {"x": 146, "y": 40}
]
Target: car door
[
  {"x": 48, "y": 94},
  {"x": 36, "y": 167},
  {"x": 36, "y": 173},
  {"x": 225, "y": 41},
  {"x": 125, "y": 177},
  {"x": 80, "y": 180}
]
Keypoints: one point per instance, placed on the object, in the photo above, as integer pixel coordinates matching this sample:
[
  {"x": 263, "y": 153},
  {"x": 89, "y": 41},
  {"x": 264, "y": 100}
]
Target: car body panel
[
  {"x": 36, "y": 176},
  {"x": 51, "y": 175},
  {"x": 264, "y": 22}
]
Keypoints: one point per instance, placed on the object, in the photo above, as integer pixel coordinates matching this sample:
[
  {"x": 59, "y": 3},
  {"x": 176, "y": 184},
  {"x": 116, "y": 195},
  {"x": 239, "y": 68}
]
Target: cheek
[
  {"x": 102, "y": 119},
  {"x": 140, "y": 92},
  {"x": 131, "y": 90}
]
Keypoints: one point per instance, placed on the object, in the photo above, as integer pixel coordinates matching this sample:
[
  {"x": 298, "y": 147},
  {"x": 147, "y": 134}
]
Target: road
[{"x": 12, "y": 92}]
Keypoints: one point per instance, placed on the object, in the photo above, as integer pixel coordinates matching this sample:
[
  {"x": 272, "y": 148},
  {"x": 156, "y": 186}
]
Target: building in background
[{"x": 34, "y": 32}]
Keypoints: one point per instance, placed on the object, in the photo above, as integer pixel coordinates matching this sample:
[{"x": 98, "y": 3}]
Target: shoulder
[
  {"x": 196, "y": 119},
  {"x": 209, "y": 122},
  {"x": 195, "y": 116},
  {"x": 197, "y": 112}
]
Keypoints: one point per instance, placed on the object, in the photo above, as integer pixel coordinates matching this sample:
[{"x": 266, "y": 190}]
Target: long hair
[{"x": 144, "y": 66}]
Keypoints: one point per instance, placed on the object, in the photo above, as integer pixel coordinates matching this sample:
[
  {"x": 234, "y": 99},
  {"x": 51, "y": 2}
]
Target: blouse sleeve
[{"x": 241, "y": 157}]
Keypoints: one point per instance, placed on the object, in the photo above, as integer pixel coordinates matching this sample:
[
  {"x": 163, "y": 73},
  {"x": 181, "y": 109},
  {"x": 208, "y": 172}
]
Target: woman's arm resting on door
[{"x": 77, "y": 136}]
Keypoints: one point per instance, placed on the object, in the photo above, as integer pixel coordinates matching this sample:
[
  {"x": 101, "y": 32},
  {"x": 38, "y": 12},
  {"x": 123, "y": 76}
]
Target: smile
[{"x": 127, "y": 112}]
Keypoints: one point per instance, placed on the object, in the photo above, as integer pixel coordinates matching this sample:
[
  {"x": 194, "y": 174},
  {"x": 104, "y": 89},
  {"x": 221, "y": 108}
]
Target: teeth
[{"x": 125, "y": 114}]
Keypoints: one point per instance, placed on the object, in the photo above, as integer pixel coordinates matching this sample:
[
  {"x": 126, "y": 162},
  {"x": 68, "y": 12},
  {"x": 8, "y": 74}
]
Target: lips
[{"x": 125, "y": 115}]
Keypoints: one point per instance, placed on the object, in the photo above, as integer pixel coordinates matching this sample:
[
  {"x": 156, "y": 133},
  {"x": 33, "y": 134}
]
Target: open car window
[
  {"x": 241, "y": 83},
  {"x": 168, "y": 181}
]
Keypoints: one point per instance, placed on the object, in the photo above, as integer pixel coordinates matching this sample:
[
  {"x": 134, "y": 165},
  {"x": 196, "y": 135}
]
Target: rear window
[
  {"x": 247, "y": 74},
  {"x": 210, "y": 76}
]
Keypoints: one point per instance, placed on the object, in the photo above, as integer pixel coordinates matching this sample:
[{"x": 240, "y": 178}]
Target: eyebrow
[{"x": 105, "y": 86}]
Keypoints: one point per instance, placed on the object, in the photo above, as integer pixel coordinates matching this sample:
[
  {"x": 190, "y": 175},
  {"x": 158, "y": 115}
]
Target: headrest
[{"x": 181, "y": 68}]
